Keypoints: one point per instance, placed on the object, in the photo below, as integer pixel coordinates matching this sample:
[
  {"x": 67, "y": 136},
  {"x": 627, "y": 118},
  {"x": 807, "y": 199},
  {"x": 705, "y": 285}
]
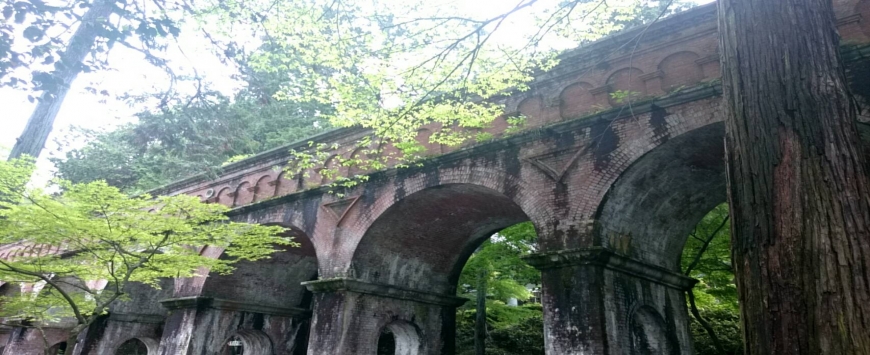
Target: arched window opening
[
  {"x": 234, "y": 346},
  {"x": 386, "y": 343},
  {"x": 247, "y": 342},
  {"x": 132, "y": 347},
  {"x": 58, "y": 349},
  {"x": 399, "y": 338}
]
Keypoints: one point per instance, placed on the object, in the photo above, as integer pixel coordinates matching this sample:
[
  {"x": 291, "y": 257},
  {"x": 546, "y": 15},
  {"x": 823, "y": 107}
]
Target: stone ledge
[
  {"x": 136, "y": 318},
  {"x": 610, "y": 260},
  {"x": 230, "y": 305},
  {"x": 389, "y": 291}
]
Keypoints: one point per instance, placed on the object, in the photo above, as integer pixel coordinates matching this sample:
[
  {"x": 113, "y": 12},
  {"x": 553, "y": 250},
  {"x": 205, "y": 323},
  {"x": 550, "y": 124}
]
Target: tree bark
[
  {"x": 798, "y": 183},
  {"x": 39, "y": 125},
  {"x": 480, "y": 315}
]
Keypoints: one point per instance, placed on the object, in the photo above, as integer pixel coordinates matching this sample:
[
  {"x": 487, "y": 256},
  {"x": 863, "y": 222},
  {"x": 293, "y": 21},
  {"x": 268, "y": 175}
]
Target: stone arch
[
  {"x": 680, "y": 69},
  {"x": 284, "y": 185},
  {"x": 134, "y": 346},
  {"x": 331, "y": 163},
  {"x": 58, "y": 348},
  {"x": 629, "y": 81},
  {"x": 254, "y": 342},
  {"x": 243, "y": 195},
  {"x": 575, "y": 100},
  {"x": 357, "y": 154},
  {"x": 264, "y": 188},
  {"x": 405, "y": 337},
  {"x": 654, "y": 204},
  {"x": 648, "y": 332},
  {"x": 274, "y": 281},
  {"x": 224, "y": 196},
  {"x": 422, "y": 240},
  {"x": 533, "y": 109}
]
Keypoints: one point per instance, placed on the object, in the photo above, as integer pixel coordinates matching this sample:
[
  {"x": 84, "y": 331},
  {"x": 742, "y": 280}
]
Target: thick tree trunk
[
  {"x": 40, "y": 124},
  {"x": 798, "y": 184}
]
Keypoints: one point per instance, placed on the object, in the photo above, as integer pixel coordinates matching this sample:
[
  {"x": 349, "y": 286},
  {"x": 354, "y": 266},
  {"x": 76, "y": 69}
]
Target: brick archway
[{"x": 655, "y": 203}]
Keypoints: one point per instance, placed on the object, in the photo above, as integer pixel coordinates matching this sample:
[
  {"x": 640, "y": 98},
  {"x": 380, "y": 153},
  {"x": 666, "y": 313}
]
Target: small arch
[
  {"x": 533, "y": 109},
  {"x": 648, "y": 334},
  {"x": 224, "y": 197},
  {"x": 628, "y": 81},
  {"x": 680, "y": 69},
  {"x": 57, "y": 349},
  {"x": 247, "y": 342},
  {"x": 399, "y": 338},
  {"x": 138, "y": 346},
  {"x": 263, "y": 189},
  {"x": 332, "y": 164},
  {"x": 354, "y": 168},
  {"x": 576, "y": 100},
  {"x": 244, "y": 194},
  {"x": 284, "y": 185}
]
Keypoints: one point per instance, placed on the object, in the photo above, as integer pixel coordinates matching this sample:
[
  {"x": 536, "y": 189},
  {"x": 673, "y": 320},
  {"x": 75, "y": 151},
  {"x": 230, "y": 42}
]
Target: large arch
[
  {"x": 263, "y": 296},
  {"x": 655, "y": 203},
  {"x": 422, "y": 241}
]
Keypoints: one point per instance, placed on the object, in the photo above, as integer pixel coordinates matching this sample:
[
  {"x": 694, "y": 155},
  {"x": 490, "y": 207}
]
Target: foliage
[
  {"x": 92, "y": 232},
  {"x": 193, "y": 135},
  {"x": 708, "y": 254},
  {"x": 522, "y": 334},
  {"x": 396, "y": 66},
  {"x": 716, "y": 288},
  {"x": 500, "y": 257},
  {"x": 511, "y": 329},
  {"x": 726, "y": 324}
]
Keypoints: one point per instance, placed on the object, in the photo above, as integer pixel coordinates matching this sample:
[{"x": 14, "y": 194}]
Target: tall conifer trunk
[
  {"x": 798, "y": 183},
  {"x": 68, "y": 67}
]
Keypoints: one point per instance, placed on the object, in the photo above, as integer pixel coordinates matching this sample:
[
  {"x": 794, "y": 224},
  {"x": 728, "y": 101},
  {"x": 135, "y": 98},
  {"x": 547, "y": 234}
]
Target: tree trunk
[
  {"x": 480, "y": 315},
  {"x": 798, "y": 184},
  {"x": 39, "y": 125}
]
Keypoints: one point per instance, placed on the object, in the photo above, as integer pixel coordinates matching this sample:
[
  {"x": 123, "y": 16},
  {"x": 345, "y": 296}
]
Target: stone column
[
  {"x": 29, "y": 341},
  {"x": 599, "y": 302},
  {"x": 108, "y": 333},
  {"x": 202, "y": 325},
  {"x": 349, "y": 316}
]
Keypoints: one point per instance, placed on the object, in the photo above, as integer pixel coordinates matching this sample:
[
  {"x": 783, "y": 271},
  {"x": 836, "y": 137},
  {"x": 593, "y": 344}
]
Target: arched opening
[
  {"x": 132, "y": 347},
  {"x": 399, "y": 338},
  {"x": 233, "y": 346},
  {"x": 424, "y": 242},
  {"x": 273, "y": 284},
  {"x": 655, "y": 205},
  {"x": 247, "y": 342},
  {"x": 57, "y": 349}
]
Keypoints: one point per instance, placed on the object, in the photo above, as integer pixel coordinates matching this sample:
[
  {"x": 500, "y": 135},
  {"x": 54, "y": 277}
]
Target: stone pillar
[
  {"x": 599, "y": 302},
  {"x": 29, "y": 341},
  {"x": 350, "y": 314},
  {"x": 108, "y": 333},
  {"x": 202, "y": 325}
]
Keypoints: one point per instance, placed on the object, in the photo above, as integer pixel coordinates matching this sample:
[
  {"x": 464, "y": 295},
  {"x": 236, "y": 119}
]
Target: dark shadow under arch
[
  {"x": 655, "y": 203},
  {"x": 422, "y": 241}
]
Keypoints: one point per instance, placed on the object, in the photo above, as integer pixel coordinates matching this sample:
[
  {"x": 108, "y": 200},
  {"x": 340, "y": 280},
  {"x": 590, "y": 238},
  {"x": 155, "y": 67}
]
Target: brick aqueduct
[{"x": 613, "y": 190}]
